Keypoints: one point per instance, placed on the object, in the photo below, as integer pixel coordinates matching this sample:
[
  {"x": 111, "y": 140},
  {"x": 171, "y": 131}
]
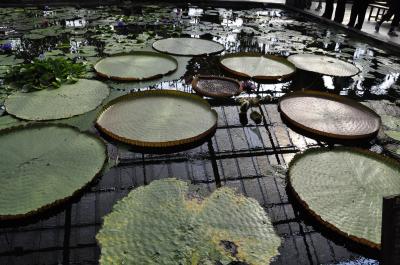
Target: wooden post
[{"x": 390, "y": 241}]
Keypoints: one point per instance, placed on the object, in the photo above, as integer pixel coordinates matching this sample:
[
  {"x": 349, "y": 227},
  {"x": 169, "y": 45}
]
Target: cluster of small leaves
[{"x": 44, "y": 74}]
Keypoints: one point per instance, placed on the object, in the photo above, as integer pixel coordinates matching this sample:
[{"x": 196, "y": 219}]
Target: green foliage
[
  {"x": 169, "y": 222},
  {"x": 43, "y": 74}
]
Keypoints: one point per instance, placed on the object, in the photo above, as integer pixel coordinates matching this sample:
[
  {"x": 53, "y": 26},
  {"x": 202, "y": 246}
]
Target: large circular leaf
[
  {"x": 166, "y": 223},
  {"x": 188, "y": 46},
  {"x": 329, "y": 116},
  {"x": 344, "y": 188},
  {"x": 64, "y": 102},
  {"x": 323, "y": 65},
  {"x": 42, "y": 165},
  {"x": 258, "y": 66},
  {"x": 158, "y": 118},
  {"x": 136, "y": 66}
]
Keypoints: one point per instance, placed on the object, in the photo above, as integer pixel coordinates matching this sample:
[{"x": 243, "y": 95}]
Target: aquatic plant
[
  {"x": 47, "y": 73},
  {"x": 48, "y": 164},
  {"x": 169, "y": 222}
]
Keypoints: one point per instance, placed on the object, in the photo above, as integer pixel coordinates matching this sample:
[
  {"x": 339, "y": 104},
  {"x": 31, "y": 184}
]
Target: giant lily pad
[
  {"x": 158, "y": 118},
  {"x": 329, "y": 116},
  {"x": 188, "y": 46},
  {"x": 136, "y": 66},
  {"x": 42, "y": 165},
  {"x": 343, "y": 188},
  {"x": 64, "y": 102},
  {"x": 324, "y": 65},
  {"x": 167, "y": 223},
  {"x": 258, "y": 66}
]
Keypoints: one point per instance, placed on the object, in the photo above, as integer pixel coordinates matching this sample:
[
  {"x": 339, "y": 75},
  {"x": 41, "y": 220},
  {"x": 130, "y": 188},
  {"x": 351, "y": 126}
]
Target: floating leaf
[
  {"x": 136, "y": 66},
  {"x": 42, "y": 165},
  {"x": 323, "y": 65},
  {"x": 9, "y": 60},
  {"x": 8, "y": 121},
  {"x": 188, "y": 46},
  {"x": 344, "y": 188},
  {"x": 394, "y": 135},
  {"x": 257, "y": 66},
  {"x": 329, "y": 116},
  {"x": 167, "y": 223},
  {"x": 64, "y": 102},
  {"x": 163, "y": 118}
]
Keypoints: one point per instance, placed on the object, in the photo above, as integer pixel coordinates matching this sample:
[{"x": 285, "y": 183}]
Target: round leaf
[
  {"x": 188, "y": 46},
  {"x": 136, "y": 66},
  {"x": 43, "y": 165},
  {"x": 257, "y": 66},
  {"x": 162, "y": 118},
  {"x": 344, "y": 188},
  {"x": 64, "y": 102},
  {"x": 329, "y": 116},
  {"x": 324, "y": 65}
]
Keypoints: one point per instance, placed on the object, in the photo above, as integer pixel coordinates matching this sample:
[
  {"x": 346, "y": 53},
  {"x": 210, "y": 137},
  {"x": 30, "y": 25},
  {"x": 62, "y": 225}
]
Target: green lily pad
[
  {"x": 257, "y": 66},
  {"x": 34, "y": 36},
  {"x": 344, "y": 188},
  {"x": 136, "y": 66},
  {"x": 50, "y": 104},
  {"x": 9, "y": 60},
  {"x": 324, "y": 65},
  {"x": 188, "y": 46},
  {"x": 391, "y": 122},
  {"x": 43, "y": 165},
  {"x": 394, "y": 135},
  {"x": 163, "y": 118},
  {"x": 8, "y": 121},
  {"x": 168, "y": 223}
]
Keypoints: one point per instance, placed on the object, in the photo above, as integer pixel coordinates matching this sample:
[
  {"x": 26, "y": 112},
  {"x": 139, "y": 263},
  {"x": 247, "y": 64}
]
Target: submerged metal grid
[{"x": 246, "y": 158}]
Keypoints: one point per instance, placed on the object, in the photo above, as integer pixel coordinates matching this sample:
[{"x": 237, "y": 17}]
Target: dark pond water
[{"x": 240, "y": 156}]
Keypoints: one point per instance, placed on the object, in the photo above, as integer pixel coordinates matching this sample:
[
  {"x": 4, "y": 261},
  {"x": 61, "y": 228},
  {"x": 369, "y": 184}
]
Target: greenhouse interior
[{"x": 239, "y": 132}]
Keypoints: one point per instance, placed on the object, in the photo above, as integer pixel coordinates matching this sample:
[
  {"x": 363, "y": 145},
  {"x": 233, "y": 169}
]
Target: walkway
[{"x": 368, "y": 27}]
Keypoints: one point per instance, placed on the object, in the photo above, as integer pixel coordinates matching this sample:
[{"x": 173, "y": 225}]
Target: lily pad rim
[
  {"x": 280, "y": 59},
  {"x": 117, "y": 78},
  {"x": 330, "y": 56},
  {"x": 189, "y": 55},
  {"x": 341, "y": 99},
  {"x": 58, "y": 119},
  {"x": 158, "y": 145},
  {"x": 387, "y": 160},
  {"x": 197, "y": 78},
  {"x": 63, "y": 201}
]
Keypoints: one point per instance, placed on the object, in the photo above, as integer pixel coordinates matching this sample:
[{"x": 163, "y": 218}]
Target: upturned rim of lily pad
[
  {"x": 206, "y": 93},
  {"x": 325, "y": 135}
]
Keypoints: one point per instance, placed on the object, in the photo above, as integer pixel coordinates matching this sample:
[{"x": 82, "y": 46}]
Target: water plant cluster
[{"x": 44, "y": 74}]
